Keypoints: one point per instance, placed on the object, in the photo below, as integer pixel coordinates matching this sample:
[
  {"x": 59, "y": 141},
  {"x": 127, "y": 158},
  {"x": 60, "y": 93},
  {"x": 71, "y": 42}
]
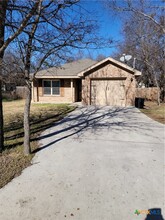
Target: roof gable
[{"x": 112, "y": 61}]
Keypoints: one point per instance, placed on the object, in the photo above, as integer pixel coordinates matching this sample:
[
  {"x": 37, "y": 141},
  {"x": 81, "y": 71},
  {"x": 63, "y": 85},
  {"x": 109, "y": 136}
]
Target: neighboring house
[{"x": 108, "y": 82}]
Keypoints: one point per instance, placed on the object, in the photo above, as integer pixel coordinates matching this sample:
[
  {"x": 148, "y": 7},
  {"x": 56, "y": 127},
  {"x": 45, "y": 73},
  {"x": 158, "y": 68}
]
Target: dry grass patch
[
  {"x": 152, "y": 110},
  {"x": 43, "y": 116}
]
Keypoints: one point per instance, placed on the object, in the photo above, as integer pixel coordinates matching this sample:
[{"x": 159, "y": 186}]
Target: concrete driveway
[{"x": 96, "y": 164}]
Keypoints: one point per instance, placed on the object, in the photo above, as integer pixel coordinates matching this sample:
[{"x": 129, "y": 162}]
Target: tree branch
[{"x": 22, "y": 26}]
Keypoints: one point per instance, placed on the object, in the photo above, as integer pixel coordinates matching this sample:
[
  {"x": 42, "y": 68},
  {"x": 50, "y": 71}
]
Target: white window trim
[{"x": 51, "y": 88}]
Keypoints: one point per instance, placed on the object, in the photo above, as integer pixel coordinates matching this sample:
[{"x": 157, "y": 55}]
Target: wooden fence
[{"x": 149, "y": 94}]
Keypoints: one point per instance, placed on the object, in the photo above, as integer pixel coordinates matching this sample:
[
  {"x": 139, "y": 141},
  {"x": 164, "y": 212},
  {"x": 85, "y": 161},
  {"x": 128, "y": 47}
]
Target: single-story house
[{"x": 107, "y": 82}]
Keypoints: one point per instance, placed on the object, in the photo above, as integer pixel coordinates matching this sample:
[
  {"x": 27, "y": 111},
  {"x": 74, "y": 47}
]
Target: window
[
  {"x": 47, "y": 87},
  {"x": 55, "y": 87},
  {"x": 51, "y": 87}
]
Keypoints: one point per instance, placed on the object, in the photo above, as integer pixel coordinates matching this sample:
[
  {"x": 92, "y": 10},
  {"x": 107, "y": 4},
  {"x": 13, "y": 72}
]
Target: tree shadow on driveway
[{"x": 94, "y": 119}]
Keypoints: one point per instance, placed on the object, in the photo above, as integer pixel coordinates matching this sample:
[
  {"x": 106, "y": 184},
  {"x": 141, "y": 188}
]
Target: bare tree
[
  {"x": 13, "y": 68},
  {"x": 3, "y": 6},
  {"x": 149, "y": 10},
  {"x": 7, "y": 9},
  {"x": 100, "y": 57},
  {"x": 143, "y": 31},
  {"x": 49, "y": 37}
]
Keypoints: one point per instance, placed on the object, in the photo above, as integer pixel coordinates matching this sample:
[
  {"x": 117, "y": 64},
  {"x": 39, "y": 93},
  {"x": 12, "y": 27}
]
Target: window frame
[{"x": 51, "y": 88}]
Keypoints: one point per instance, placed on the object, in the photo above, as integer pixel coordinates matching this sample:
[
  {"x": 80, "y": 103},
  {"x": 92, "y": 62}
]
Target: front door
[{"x": 78, "y": 90}]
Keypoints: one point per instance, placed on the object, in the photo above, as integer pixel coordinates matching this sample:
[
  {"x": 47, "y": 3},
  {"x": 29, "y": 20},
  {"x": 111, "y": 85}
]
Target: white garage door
[{"x": 108, "y": 92}]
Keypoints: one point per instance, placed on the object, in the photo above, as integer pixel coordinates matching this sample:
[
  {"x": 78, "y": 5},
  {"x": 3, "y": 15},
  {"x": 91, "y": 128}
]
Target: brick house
[{"x": 108, "y": 82}]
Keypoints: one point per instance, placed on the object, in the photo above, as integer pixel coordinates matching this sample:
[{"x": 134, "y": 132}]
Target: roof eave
[
  {"x": 56, "y": 77},
  {"x": 134, "y": 71}
]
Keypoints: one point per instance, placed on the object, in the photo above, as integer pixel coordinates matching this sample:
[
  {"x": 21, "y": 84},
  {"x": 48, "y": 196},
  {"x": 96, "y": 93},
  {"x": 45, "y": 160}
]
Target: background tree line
[{"x": 143, "y": 34}]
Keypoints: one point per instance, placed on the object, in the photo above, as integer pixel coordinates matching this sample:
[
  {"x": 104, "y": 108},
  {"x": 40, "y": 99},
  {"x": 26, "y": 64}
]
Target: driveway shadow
[{"x": 94, "y": 118}]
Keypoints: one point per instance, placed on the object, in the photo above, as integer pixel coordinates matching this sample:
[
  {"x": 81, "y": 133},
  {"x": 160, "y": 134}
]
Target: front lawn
[
  {"x": 154, "y": 111},
  {"x": 12, "y": 160}
]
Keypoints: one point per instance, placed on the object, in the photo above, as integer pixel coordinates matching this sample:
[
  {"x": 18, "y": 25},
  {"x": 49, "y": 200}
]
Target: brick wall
[
  {"x": 110, "y": 71},
  {"x": 67, "y": 94}
]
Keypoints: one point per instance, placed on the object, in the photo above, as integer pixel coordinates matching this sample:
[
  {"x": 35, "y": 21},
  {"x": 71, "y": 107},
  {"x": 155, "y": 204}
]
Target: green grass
[
  {"x": 154, "y": 111},
  {"x": 12, "y": 159}
]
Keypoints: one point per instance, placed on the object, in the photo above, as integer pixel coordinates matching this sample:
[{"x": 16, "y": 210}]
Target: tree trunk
[
  {"x": 27, "y": 149},
  {"x": 3, "y": 7},
  {"x": 1, "y": 120},
  {"x": 158, "y": 98},
  {"x": 158, "y": 87}
]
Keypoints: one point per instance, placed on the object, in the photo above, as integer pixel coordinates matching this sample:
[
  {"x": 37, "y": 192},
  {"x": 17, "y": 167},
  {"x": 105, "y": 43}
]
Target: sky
[{"x": 109, "y": 26}]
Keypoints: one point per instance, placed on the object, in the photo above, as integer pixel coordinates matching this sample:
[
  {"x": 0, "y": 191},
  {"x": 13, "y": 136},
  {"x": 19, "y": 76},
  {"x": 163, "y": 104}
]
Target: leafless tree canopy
[
  {"x": 13, "y": 69},
  {"x": 143, "y": 32},
  {"x": 44, "y": 33},
  {"x": 41, "y": 33},
  {"x": 59, "y": 27}
]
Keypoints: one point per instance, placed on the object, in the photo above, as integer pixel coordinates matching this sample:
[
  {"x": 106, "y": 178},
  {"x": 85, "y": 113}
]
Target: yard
[
  {"x": 12, "y": 160},
  {"x": 104, "y": 159},
  {"x": 152, "y": 110}
]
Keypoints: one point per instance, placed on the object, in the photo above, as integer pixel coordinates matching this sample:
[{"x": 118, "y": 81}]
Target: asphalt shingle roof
[{"x": 68, "y": 69}]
